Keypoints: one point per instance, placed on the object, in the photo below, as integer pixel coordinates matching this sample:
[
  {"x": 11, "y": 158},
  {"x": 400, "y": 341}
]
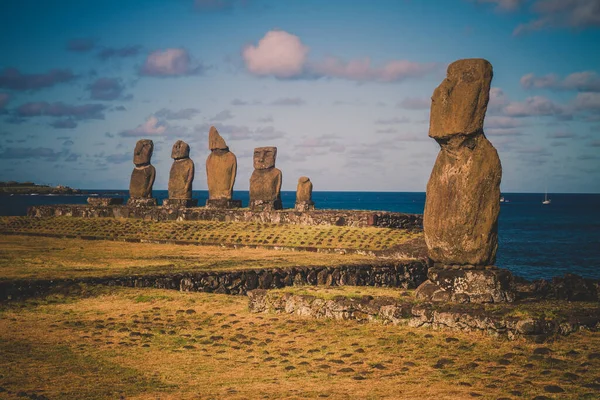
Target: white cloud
[
  {"x": 222, "y": 116},
  {"x": 588, "y": 101},
  {"x": 534, "y": 106},
  {"x": 562, "y": 13},
  {"x": 585, "y": 81},
  {"x": 278, "y": 54},
  {"x": 151, "y": 127},
  {"x": 170, "y": 62},
  {"x": 283, "y": 55}
]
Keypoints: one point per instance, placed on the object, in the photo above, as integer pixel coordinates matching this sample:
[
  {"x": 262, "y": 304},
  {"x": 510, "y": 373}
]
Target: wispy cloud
[
  {"x": 536, "y": 106},
  {"x": 186, "y": 113},
  {"x": 503, "y": 5},
  {"x": 222, "y": 116},
  {"x": 59, "y": 109},
  {"x": 4, "y": 99},
  {"x": 44, "y": 153},
  {"x": 288, "y": 101},
  {"x": 392, "y": 121},
  {"x": 151, "y": 127},
  {"x": 585, "y": 81},
  {"x": 283, "y": 55},
  {"x": 415, "y": 103},
  {"x": 578, "y": 14},
  {"x": 12, "y": 78},
  {"x": 107, "y": 53},
  {"x": 68, "y": 123},
  {"x": 106, "y": 89},
  {"x": 243, "y": 132},
  {"x": 81, "y": 45},
  {"x": 171, "y": 62}
]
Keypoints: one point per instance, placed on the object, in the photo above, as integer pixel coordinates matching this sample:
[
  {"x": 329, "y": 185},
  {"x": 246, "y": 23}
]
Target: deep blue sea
[{"x": 535, "y": 240}]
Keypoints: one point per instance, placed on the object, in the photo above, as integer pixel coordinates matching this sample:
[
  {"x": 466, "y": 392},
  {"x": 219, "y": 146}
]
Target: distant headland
[{"x": 12, "y": 187}]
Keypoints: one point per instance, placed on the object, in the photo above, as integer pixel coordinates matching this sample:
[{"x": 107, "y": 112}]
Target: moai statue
[
  {"x": 304, "y": 195},
  {"x": 143, "y": 175},
  {"x": 221, "y": 169},
  {"x": 265, "y": 182},
  {"x": 181, "y": 177},
  {"x": 460, "y": 221}
]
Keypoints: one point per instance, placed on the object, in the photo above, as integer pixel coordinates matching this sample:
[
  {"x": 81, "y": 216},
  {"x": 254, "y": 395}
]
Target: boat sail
[{"x": 546, "y": 199}]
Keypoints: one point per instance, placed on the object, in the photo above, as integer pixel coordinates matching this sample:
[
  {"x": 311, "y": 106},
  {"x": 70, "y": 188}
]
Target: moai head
[
  {"x": 143, "y": 152},
  {"x": 459, "y": 103},
  {"x": 215, "y": 141},
  {"x": 264, "y": 157},
  {"x": 303, "y": 179},
  {"x": 180, "y": 150}
]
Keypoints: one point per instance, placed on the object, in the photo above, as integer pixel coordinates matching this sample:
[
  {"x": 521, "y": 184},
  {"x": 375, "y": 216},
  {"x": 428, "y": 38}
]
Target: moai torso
[
  {"x": 182, "y": 172},
  {"x": 304, "y": 190},
  {"x": 265, "y": 184},
  {"x": 143, "y": 175},
  {"x": 221, "y": 168},
  {"x": 460, "y": 220}
]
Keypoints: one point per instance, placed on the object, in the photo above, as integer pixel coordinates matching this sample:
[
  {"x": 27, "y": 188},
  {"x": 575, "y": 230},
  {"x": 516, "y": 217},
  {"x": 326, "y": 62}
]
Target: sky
[{"x": 341, "y": 88}]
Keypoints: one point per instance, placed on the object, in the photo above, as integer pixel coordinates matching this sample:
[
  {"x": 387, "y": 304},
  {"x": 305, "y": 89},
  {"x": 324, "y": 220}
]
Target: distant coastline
[{"x": 12, "y": 187}]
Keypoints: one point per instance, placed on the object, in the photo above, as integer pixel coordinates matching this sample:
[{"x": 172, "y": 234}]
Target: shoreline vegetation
[{"x": 12, "y": 187}]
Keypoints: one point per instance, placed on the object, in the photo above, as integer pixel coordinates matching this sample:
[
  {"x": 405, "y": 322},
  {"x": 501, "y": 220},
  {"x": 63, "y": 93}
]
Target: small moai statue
[
  {"x": 304, "y": 195},
  {"x": 460, "y": 220},
  {"x": 265, "y": 182},
  {"x": 181, "y": 177},
  {"x": 221, "y": 170},
  {"x": 143, "y": 175}
]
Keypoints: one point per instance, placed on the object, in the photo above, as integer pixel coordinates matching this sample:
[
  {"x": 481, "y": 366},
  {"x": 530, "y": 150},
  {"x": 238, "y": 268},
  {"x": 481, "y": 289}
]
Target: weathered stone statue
[
  {"x": 265, "y": 182},
  {"x": 221, "y": 169},
  {"x": 143, "y": 175},
  {"x": 461, "y": 210},
  {"x": 181, "y": 177},
  {"x": 304, "y": 195}
]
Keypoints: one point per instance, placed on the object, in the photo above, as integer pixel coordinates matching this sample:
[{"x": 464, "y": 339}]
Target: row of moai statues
[
  {"x": 221, "y": 171},
  {"x": 460, "y": 220}
]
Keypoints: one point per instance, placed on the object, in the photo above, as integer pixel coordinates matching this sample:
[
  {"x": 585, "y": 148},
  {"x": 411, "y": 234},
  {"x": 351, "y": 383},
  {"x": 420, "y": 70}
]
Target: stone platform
[
  {"x": 512, "y": 321},
  {"x": 406, "y": 275},
  {"x": 354, "y": 218}
]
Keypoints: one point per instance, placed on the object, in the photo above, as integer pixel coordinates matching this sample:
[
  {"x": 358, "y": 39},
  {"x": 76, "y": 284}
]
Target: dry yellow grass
[
  {"x": 147, "y": 344},
  {"x": 46, "y": 258},
  {"x": 210, "y": 232}
]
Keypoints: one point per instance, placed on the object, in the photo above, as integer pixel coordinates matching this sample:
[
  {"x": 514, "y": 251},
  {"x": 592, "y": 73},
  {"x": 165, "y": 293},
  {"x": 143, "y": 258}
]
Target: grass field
[
  {"x": 216, "y": 233},
  {"x": 51, "y": 258},
  {"x": 147, "y": 344}
]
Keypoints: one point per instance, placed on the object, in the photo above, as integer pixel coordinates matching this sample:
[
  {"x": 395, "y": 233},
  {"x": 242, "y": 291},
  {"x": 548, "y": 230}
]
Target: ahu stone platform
[{"x": 354, "y": 218}]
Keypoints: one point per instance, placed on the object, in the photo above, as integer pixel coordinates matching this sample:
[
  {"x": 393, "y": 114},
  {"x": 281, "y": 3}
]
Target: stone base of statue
[
  {"x": 105, "y": 201},
  {"x": 180, "y": 203},
  {"x": 265, "y": 205},
  {"x": 467, "y": 284},
  {"x": 303, "y": 206},
  {"x": 142, "y": 202},
  {"x": 223, "y": 203}
]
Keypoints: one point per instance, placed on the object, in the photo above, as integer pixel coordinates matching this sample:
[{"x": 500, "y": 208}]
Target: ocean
[{"x": 535, "y": 240}]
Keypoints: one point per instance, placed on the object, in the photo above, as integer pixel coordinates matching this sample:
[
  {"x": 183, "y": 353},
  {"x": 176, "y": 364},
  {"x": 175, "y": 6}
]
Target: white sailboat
[{"x": 546, "y": 199}]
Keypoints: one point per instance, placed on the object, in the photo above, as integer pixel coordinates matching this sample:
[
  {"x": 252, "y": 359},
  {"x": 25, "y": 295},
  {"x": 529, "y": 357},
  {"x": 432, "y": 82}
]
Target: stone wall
[
  {"x": 354, "y": 218},
  {"x": 471, "y": 318},
  {"x": 405, "y": 275}
]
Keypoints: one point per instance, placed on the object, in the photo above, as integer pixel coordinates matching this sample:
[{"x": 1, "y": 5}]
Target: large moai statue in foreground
[
  {"x": 265, "y": 182},
  {"x": 181, "y": 177},
  {"x": 221, "y": 170},
  {"x": 304, "y": 190},
  {"x": 143, "y": 175},
  {"x": 460, "y": 221}
]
